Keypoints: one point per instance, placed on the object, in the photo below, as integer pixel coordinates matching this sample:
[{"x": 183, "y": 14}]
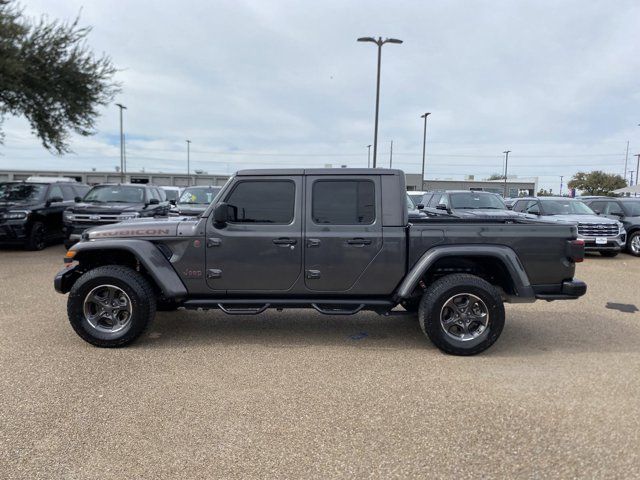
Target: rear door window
[{"x": 343, "y": 202}]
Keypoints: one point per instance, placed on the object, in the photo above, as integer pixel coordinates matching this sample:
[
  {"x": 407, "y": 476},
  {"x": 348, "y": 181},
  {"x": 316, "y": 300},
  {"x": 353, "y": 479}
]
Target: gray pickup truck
[{"x": 335, "y": 240}]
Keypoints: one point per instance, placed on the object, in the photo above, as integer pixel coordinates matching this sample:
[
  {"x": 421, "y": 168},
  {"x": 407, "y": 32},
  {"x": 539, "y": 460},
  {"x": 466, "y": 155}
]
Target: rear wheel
[
  {"x": 609, "y": 254},
  {"x": 111, "y": 306},
  {"x": 462, "y": 314},
  {"x": 37, "y": 236},
  {"x": 633, "y": 244}
]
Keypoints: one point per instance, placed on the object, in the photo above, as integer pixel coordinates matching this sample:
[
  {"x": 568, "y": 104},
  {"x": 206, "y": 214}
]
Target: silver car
[{"x": 600, "y": 234}]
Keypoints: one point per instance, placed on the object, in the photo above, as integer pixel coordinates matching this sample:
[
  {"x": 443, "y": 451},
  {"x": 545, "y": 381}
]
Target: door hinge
[
  {"x": 311, "y": 274},
  {"x": 213, "y": 242},
  {"x": 214, "y": 273}
]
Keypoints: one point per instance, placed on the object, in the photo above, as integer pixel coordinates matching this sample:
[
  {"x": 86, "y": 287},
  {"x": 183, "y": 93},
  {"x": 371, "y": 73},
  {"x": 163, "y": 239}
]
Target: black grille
[{"x": 598, "y": 229}]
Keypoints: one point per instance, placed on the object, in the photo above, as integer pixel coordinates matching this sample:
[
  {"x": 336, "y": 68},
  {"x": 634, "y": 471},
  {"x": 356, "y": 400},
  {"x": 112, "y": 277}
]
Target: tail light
[{"x": 575, "y": 250}]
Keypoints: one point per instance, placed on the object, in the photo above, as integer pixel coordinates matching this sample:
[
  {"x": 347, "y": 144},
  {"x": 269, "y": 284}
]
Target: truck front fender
[
  {"x": 521, "y": 285},
  {"x": 149, "y": 256}
]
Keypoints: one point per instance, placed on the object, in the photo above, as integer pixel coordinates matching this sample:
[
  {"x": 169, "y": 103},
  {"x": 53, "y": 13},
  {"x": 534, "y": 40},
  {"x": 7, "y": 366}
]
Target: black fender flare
[
  {"x": 522, "y": 287},
  {"x": 154, "y": 262}
]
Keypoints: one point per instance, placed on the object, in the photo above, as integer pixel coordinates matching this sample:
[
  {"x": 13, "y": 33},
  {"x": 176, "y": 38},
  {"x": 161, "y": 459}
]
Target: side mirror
[
  {"x": 54, "y": 200},
  {"x": 77, "y": 199},
  {"x": 420, "y": 206},
  {"x": 441, "y": 206},
  {"x": 221, "y": 213},
  {"x": 509, "y": 207},
  {"x": 154, "y": 201},
  {"x": 172, "y": 202}
]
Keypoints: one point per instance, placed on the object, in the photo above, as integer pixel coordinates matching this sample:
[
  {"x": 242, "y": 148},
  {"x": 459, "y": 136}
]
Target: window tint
[
  {"x": 613, "y": 208},
  {"x": 597, "y": 207},
  {"x": 343, "y": 202},
  {"x": 262, "y": 202},
  {"x": 533, "y": 208},
  {"x": 153, "y": 193},
  {"x": 81, "y": 190},
  {"x": 68, "y": 193},
  {"x": 519, "y": 206},
  {"x": 55, "y": 191},
  {"x": 435, "y": 198}
]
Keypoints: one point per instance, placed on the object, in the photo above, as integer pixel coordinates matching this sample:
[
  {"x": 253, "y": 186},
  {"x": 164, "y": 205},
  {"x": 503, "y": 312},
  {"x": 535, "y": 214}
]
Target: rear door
[
  {"x": 260, "y": 248},
  {"x": 343, "y": 232}
]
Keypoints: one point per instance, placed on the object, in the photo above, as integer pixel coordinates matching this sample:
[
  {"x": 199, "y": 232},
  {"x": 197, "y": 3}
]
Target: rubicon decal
[{"x": 131, "y": 232}]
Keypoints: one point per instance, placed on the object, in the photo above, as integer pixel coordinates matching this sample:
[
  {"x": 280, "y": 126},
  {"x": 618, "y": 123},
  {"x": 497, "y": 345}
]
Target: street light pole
[
  {"x": 188, "y": 163},
  {"x": 379, "y": 42},
  {"x": 637, "y": 165},
  {"x": 368, "y": 156},
  {"x": 506, "y": 168},
  {"x": 122, "y": 166},
  {"x": 561, "y": 177},
  {"x": 424, "y": 147}
]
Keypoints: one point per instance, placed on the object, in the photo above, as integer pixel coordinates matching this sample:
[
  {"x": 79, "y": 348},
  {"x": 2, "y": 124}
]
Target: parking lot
[{"x": 297, "y": 394}]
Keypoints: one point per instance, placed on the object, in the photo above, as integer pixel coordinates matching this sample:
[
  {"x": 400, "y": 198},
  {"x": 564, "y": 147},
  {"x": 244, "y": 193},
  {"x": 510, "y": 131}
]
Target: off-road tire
[
  {"x": 609, "y": 254},
  {"x": 36, "y": 239},
  {"x": 443, "y": 289},
  {"x": 136, "y": 287},
  {"x": 634, "y": 236}
]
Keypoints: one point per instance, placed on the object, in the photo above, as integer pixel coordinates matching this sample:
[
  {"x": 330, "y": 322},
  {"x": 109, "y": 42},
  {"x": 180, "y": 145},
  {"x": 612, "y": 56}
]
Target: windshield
[
  {"x": 632, "y": 208},
  {"x": 21, "y": 192},
  {"x": 475, "y": 200},
  {"x": 199, "y": 195},
  {"x": 115, "y": 194},
  {"x": 415, "y": 198},
  {"x": 565, "y": 207},
  {"x": 410, "y": 204}
]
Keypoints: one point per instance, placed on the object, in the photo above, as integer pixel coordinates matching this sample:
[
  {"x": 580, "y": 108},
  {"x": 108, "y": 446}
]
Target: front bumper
[
  {"x": 13, "y": 232},
  {"x": 65, "y": 278},
  {"x": 612, "y": 244}
]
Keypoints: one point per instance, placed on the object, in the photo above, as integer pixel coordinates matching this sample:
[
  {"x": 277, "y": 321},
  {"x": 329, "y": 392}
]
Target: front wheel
[
  {"x": 36, "y": 240},
  {"x": 111, "y": 306},
  {"x": 633, "y": 244},
  {"x": 462, "y": 314}
]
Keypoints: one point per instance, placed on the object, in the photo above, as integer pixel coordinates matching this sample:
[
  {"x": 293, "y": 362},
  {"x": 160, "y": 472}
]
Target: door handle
[
  {"x": 285, "y": 242},
  {"x": 313, "y": 242},
  {"x": 359, "y": 242}
]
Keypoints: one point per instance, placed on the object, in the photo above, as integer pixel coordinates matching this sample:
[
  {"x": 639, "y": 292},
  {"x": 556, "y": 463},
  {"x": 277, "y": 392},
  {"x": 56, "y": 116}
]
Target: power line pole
[
  {"x": 122, "y": 164},
  {"x": 637, "y": 165},
  {"x": 188, "y": 163},
  {"x": 368, "y": 156},
  {"x": 561, "y": 177},
  {"x": 631, "y": 184},
  {"x": 506, "y": 168},
  {"x": 626, "y": 159},
  {"x": 379, "y": 42},
  {"x": 424, "y": 147},
  {"x": 391, "y": 155}
]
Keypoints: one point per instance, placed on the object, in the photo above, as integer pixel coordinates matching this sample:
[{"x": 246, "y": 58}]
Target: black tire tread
[
  {"x": 432, "y": 296},
  {"x": 134, "y": 280},
  {"x": 630, "y": 237},
  {"x": 30, "y": 241}
]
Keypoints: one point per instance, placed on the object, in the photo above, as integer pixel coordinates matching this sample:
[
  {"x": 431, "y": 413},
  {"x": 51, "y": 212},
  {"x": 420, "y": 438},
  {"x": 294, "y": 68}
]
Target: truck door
[
  {"x": 343, "y": 232},
  {"x": 260, "y": 248}
]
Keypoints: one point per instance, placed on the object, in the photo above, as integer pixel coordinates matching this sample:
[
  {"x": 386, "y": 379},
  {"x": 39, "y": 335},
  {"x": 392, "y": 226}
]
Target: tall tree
[
  {"x": 597, "y": 182},
  {"x": 49, "y": 75}
]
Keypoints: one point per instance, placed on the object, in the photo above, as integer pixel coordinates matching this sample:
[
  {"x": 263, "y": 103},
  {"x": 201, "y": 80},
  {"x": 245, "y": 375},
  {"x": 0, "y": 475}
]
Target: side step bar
[{"x": 325, "y": 306}]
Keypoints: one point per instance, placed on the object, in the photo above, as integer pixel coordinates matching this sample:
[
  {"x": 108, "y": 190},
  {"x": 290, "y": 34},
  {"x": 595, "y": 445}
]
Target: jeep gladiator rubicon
[{"x": 335, "y": 240}]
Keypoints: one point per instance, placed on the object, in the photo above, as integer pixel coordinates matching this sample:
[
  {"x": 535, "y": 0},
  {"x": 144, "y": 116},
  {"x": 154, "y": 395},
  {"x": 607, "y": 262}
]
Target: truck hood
[
  {"x": 140, "y": 227},
  {"x": 578, "y": 219},
  {"x": 109, "y": 208},
  {"x": 193, "y": 209}
]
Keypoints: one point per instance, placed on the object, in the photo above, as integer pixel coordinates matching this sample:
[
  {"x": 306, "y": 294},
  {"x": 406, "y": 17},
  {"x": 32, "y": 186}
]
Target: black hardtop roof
[
  {"x": 111, "y": 184},
  {"x": 318, "y": 171}
]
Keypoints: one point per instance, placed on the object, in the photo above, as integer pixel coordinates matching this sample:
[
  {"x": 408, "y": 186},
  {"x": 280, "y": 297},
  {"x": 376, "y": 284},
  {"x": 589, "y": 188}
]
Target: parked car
[
  {"x": 416, "y": 196},
  {"x": 112, "y": 203},
  {"x": 468, "y": 204},
  {"x": 172, "y": 193},
  {"x": 600, "y": 234},
  {"x": 195, "y": 200},
  {"x": 414, "y": 213},
  {"x": 31, "y": 211},
  {"x": 335, "y": 240},
  {"x": 627, "y": 211}
]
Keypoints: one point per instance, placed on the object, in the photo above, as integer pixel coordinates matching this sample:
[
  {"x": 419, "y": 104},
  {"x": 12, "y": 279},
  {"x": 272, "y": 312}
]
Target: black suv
[
  {"x": 113, "y": 203},
  {"x": 625, "y": 210},
  {"x": 31, "y": 211},
  {"x": 194, "y": 200}
]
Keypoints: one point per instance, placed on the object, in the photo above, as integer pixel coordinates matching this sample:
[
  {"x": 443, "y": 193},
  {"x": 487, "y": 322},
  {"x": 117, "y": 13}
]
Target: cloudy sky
[{"x": 278, "y": 83}]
